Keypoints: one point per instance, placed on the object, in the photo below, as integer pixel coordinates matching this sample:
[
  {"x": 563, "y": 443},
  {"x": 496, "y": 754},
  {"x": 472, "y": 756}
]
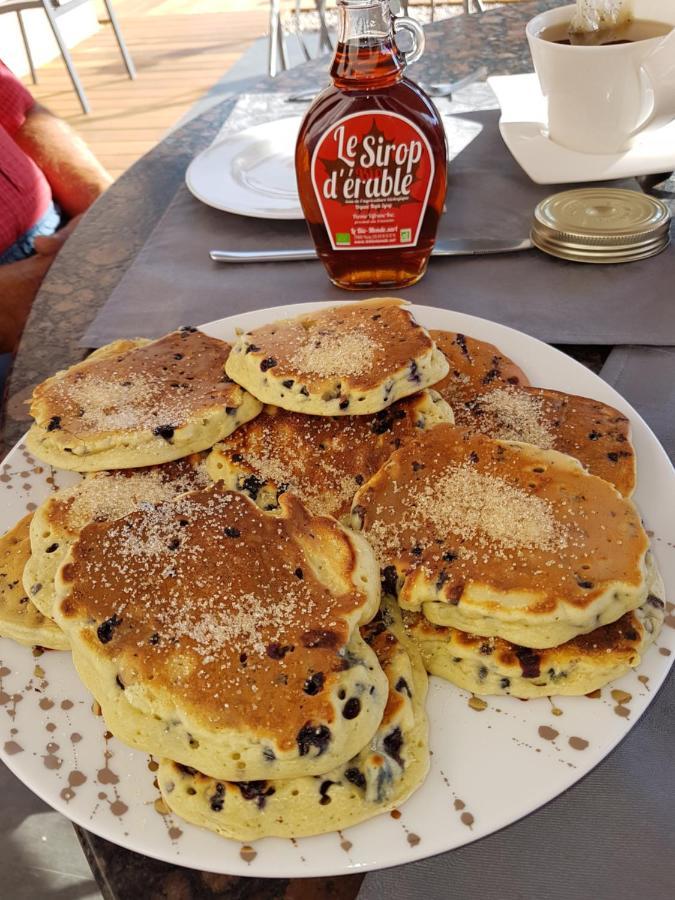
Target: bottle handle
[{"x": 404, "y": 23}]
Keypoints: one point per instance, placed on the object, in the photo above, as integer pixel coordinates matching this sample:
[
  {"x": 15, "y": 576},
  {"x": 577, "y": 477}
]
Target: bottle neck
[{"x": 366, "y": 55}]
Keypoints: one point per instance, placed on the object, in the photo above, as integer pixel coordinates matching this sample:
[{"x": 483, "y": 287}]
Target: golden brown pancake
[
  {"x": 321, "y": 459},
  {"x": 381, "y": 776},
  {"x": 502, "y": 539},
  {"x": 20, "y": 620},
  {"x": 99, "y": 497},
  {"x": 128, "y": 406},
  {"x": 355, "y": 359},
  {"x": 592, "y": 432},
  {"x": 476, "y": 367},
  {"x": 583, "y": 664},
  {"x": 233, "y": 630}
]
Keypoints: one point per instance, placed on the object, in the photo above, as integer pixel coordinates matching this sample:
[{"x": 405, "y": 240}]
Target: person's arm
[
  {"x": 74, "y": 174},
  {"x": 19, "y": 283}
]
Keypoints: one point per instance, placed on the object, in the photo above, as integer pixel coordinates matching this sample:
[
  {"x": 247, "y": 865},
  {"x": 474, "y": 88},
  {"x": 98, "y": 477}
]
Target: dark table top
[{"x": 90, "y": 266}]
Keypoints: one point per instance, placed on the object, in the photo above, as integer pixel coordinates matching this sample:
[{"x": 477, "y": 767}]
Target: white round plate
[
  {"x": 251, "y": 173},
  {"x": 488, "y": 769}
]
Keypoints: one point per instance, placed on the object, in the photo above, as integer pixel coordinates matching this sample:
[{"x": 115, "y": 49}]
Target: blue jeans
[{"x": 23, "y": 247}]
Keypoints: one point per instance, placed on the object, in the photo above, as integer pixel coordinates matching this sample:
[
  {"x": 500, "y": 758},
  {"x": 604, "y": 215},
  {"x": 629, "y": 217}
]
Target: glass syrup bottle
[{"x": 371, "y": 156}]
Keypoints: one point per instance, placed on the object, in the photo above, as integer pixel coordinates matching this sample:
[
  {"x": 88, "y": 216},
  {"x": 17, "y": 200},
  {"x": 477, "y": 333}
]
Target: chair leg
[
  {"x": 128, "y": 62},
  {"x": 273, "y": 40},
  {"x": 65, "y": 53},
  {"x": 283, "y": 53},
  {"x": 324, "y": 35},
  {"x": 29, "y": 55},
  {"x": 298, "y": 32}
]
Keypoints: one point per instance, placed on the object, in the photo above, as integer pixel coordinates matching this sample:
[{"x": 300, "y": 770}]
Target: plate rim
[{"x": 296, "y": 869}]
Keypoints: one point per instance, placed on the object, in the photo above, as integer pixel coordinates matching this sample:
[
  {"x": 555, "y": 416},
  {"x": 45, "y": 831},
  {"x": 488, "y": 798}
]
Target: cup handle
[
  {"x": 404, "y": 23},
  {"x": 658, "y": 75}
]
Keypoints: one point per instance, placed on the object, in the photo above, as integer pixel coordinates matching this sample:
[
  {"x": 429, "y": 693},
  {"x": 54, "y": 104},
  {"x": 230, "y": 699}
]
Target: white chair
[{"x": 53, "y": 9}]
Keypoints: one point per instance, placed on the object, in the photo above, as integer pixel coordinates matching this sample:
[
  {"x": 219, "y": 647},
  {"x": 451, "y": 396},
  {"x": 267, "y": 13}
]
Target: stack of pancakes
[{"x": 272, "y": 541}]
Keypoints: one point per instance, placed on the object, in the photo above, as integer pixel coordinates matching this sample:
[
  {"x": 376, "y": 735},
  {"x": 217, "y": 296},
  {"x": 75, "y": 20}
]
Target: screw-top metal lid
[{"x": 601, "y": 225}]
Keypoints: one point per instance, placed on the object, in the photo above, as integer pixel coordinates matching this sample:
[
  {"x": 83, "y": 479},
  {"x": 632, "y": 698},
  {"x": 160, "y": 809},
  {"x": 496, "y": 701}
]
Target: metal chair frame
[
  {"x": 277, "y": 51},
  {"x": 53, "y": 10}
]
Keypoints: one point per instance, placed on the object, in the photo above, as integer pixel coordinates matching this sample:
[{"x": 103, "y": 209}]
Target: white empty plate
[
  {"x": 523, "y": 126},
  {"x": 251, "y": 173}
]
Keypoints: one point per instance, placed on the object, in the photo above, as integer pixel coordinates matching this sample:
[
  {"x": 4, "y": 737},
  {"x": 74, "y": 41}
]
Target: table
[{"x": 91, "y": 265}]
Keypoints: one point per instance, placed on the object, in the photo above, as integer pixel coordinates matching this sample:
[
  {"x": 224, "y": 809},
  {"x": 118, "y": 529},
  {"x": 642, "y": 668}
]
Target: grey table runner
[
  {"x": 628, "y": 798},
  {"x": 172, "y": 281}
]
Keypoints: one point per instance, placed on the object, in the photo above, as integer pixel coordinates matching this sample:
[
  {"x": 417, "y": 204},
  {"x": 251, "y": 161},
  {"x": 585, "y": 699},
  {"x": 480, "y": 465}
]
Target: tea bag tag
[{"x": 395, "y": 7}]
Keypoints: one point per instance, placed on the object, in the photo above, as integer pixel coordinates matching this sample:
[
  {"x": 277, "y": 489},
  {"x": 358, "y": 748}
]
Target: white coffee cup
[{"x": 600, "y": 98}]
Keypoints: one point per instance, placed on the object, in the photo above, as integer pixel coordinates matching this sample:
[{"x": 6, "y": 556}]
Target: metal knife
[{"x": 458, "y": 247}]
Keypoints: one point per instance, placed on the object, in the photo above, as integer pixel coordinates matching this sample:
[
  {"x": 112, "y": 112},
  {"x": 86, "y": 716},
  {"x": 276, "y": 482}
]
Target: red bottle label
[{"x": 372, "y": 173}]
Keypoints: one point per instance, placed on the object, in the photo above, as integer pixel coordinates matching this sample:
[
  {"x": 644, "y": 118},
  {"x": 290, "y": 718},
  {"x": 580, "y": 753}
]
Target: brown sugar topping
[
  {"x": 158, "y": 386},
  {"x": 350, "y": 353},
  {"x": 487, "y": 510},
  {"x": 321, "y": 459},
  {"x": 513, "y": 415},
  {"x": 200, "y": 596},
  {"x": 458, "y": 508},
  {"x": 592, "y": 432},
  {"x": 360, "y": 343},
  {"x": 105, "y": 496}
]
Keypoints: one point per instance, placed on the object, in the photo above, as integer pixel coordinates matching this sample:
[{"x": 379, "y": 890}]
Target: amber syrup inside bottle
[{"x": 371, "y": 157}]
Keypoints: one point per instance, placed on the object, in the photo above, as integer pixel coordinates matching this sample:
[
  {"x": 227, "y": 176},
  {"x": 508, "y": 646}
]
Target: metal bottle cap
[{"x": 601, "y": 225}]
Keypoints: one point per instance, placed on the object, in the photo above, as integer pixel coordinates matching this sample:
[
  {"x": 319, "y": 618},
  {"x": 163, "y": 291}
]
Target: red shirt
[{"x": 24, "y": 191}]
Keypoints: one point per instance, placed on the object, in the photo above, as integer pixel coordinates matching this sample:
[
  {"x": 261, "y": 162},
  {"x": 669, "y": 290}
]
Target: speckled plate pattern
[{"x": 493, "y": 761}]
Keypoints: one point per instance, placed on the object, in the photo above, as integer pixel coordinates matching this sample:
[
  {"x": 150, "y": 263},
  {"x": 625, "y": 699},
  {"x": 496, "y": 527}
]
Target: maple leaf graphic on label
[{"x": 370, "y": 167}]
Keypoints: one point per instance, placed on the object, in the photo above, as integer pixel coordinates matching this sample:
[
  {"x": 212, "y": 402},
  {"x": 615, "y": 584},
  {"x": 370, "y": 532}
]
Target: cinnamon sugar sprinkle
[
  {"x": 514, "y": 416},
  {"x": 350, "y": 353},
  {"x": 485, "y": 509}
]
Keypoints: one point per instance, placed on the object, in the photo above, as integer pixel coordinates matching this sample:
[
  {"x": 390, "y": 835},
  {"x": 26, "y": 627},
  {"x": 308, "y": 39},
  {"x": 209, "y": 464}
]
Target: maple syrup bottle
[{"x": 371, "y": 156}]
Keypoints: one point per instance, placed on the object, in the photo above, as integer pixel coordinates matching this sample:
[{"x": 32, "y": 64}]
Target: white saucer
[
  {"x": 523, "y": 127},
  {"x": 251, "y": 173}
]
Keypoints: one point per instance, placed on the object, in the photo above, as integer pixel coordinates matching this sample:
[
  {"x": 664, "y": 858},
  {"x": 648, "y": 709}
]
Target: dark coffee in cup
[{"x": 627, "y": 32}]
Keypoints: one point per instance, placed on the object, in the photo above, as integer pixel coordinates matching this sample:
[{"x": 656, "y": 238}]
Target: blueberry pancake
[
  {"x": 355, "y": 359},
  {"x": 476, "y": 368},
  {"x": 592, "y": 432},
  {"x": 232, "y": 631},
  {"x": 583, "y": 664},
  {"x": 321, "y": 459},
  {"x": 20, "y": 620},
  {"x": 382, "y": 775},
  {"x": 138, "y": 404},
  {"x": 502, "y": 539},
  {"x": 99, "y": 497}
]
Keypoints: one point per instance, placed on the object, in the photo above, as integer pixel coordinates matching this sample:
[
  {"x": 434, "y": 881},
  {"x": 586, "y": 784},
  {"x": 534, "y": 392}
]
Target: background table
[{"x": 89, "y": 267}]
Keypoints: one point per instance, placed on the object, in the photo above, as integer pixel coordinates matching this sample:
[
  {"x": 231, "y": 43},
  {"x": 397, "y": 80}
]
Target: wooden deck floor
[{"x": 178, "y": 54}]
